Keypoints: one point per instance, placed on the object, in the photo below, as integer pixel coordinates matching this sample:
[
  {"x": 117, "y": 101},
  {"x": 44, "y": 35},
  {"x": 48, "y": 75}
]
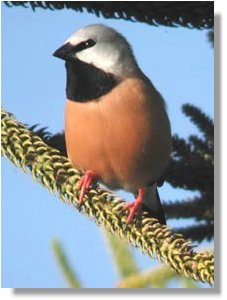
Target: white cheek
[
  {"x": 103, "y": 60},
  {"x": 86, "y": 56}
]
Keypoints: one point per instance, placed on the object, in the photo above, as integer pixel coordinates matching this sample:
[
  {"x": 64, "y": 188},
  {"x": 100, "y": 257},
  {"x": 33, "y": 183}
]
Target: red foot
[
  {"x": 135, "y": 205},
  {"x": 84, "y": 184}
]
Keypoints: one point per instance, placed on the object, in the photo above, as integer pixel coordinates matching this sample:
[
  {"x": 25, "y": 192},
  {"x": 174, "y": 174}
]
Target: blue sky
[{"x": 180, "y": 64}]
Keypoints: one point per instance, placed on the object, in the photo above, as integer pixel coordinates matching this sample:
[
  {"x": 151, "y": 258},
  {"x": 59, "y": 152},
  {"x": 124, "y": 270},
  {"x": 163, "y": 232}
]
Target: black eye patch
[
  {"x": 67, "y": 51},
  {"x": 84, "y": 45}
]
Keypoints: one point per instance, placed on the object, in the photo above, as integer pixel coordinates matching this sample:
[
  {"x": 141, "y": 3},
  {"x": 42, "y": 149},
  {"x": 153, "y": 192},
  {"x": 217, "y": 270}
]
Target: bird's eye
[
  {"x": 89, "y": 43},
  {"x": 85, "y": 45}
]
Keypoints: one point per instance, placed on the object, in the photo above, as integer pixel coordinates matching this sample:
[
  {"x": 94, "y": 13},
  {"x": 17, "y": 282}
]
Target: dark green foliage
[
  {"x": 198, "y": 232},
  {"x": 201, "y": 120},
  {"x": 192, "y": 168},
  {"x": 191, "y": 14}
]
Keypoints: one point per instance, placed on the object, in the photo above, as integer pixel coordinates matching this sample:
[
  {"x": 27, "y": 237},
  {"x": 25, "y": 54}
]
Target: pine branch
[
  {"x": 56, "y": 141},
  {"x": 198, "y": 232},
  {"x": 156, "y": 278},
  {"x": 191, "y": 208},
  {"x": 191, "y": 14},
  {"x": 200, "y": 119},
  {"x": 188, "y": 168},
  {"x": 190, "y": 176},
  {"x": 189, "y": 284},
  {"x": 202, "y": 147},
  {"x": 64, "y": 265},
  {"x": 54, "y": 171},
  {"x": 122, "y": 256}
]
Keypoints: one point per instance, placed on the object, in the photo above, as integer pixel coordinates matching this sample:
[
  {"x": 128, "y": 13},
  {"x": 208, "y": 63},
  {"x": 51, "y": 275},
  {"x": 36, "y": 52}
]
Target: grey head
[{"x": 102, "y": 47}]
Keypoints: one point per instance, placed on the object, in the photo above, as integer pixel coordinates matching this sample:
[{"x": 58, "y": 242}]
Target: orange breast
[{"x": 124, "y": 136}]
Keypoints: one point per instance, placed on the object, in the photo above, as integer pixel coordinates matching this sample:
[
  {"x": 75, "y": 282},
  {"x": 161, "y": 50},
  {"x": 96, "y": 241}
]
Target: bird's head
[{"x": 102, "y": 47}]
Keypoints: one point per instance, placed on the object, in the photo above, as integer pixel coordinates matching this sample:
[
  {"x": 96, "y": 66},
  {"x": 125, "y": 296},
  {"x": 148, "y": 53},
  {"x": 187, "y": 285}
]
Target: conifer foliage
[{"x": 192, "y": 168}]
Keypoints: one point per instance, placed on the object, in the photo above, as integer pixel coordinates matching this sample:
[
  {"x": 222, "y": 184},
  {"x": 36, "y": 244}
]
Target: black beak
[{"x": 65, "y": 52}]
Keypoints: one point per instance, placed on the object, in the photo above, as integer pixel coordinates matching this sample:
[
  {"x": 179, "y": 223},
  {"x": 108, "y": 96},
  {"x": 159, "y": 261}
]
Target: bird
[{"x": 117, "y": 128}]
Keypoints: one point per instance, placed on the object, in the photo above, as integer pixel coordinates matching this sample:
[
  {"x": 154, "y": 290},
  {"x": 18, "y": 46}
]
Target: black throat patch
[{"x": 86, "y": 82}]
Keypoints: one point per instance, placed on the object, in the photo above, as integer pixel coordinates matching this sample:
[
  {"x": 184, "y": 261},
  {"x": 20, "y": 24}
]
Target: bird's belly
[{"x": 122, "y": 154}]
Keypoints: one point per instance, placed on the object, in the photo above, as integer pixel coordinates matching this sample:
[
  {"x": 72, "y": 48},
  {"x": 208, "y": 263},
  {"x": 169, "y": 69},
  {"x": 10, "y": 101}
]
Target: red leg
[
  {"x": 85, "y": 183},
  {"x": 135, "y": 205}
]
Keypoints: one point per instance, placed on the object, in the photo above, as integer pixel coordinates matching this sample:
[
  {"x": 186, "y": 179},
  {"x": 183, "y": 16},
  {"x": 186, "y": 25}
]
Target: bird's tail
[{"x": 152, "y": 204}]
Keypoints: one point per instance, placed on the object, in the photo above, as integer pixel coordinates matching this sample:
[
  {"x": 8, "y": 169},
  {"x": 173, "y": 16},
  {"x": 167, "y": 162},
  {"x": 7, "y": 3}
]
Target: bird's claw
[
  {"x": 134, "y": 206},
  {"x": 84, "y": 184}
]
